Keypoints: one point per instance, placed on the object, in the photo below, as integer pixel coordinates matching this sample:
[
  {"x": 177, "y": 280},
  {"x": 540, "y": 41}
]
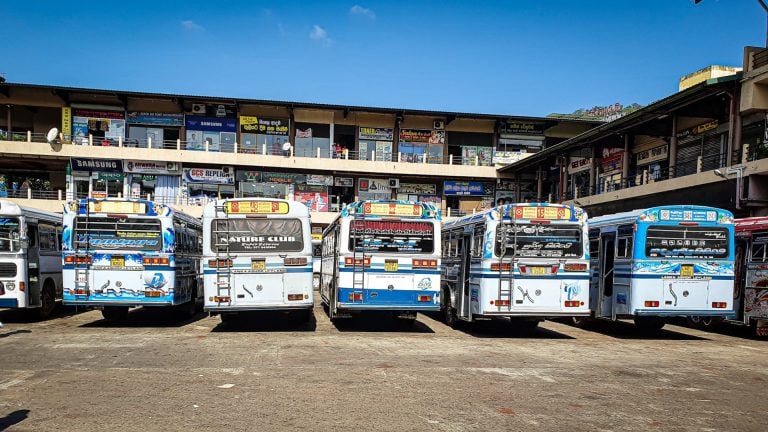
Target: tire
[
  {"x": 189, "y": 309},
  {"x": 115, "y": 313},
  {"x": 47, "y": 301},
  {"x": 649, "y": 324},
  {"x": 449, "y": 313}
]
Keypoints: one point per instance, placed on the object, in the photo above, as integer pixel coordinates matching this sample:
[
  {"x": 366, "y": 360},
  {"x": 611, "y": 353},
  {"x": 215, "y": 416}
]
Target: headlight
[{"x": 10, "y": 286}]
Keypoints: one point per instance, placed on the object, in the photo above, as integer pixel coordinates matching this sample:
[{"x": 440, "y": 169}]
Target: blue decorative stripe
[
  {"x": 9, "y": 303},
  {"x": 146, "y": 268},
  {"x": 399, "y": 271},
  {"x": 286, "y": 270},
  {"x": 684, "y": 312},
  {"x": 558, "y": 276},
  {"x": 661, "y": 276},
  {"x": 389, "y": 299}
]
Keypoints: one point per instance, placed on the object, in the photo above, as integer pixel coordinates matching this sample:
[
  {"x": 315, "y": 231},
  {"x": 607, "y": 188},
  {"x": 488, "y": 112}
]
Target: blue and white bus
[
  {"x": 382, "y": 255},
  {"x": 661, "y": 262},
  {"x": 121, "y": 253},
  {"x": 257, "y": 255},
  {"x": 526, "y": 262}
]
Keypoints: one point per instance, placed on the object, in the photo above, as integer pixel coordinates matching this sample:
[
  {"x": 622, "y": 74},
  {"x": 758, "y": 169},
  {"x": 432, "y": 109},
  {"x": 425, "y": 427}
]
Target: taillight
[
  {"x": 71, "y": 259},
  {"x": 572, "y": 303},
  {"x": 424, "y": 263},
  {"x": 365, "y": 262},
  {"x": 573, "y": 267},
  {"x": 553, "y": 269},
  {"x": 295, "y": 262},
  {"x": 22, "y": 286},
  {"x": 425, "y": 298},
  {"x": 356, "y": 297},
  {"x": 500, "y": 302},
  {"x": 651, "y": 303},
  {"x": 294, "y": 297},
  {"x": 719, "y": 305},
  {"x": 219, "y": 299},
  {"x": 504, "y": 267},
  {"x": 155, "y": 261},
  {"x": 215, "y": 263},
  {"x": 152, "y": 293}
]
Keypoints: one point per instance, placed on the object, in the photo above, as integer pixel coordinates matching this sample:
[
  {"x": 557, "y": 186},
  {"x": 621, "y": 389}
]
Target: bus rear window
[
  {"x": 686, "y": 242},
  {"x": 118, "y": 233},
  {"x": 9, "y": 234},
  {"x": 257, "y": 235},
  {"x": 392, "y": 236},
  {"x": 540, "y": 241}
]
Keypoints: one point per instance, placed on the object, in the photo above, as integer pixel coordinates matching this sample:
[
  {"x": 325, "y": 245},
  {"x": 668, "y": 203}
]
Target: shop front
[
  {"x": 468, "y": 196},
  {"x": 201, "y": 184},
  {"x": 423, "y": 192},
  {"x": 415, "y": 144},
  {"x": 610, "y": 170},
  {"x": 578, "y": 176},
  {"x": 159, "y": 180},
  {"x": 214, "y": 133},
  {"x": 652, "y": 164},
  {"x": 375, "y": 143},
  {"x": 257, "y": 132},
  {"x": 342, "y": 192},
  {"x": 505, "y": 192},
  {"x": 97, "y": 178},
  {"x": 106, "y": 127},
  {"x": 516, "y": 138},
  {"x": 471, "y": 147},
  {"x": 148, "y": 129},
  {"x": 373, "y": 189},
  {"x": 311, "y": 138}
]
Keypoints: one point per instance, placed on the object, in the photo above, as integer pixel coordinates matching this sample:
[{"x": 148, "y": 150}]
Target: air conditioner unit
[
  {"x": 198, "y": 108},
  {"x": 394, "y": 183},
  {"x": 438, "y": 125}
]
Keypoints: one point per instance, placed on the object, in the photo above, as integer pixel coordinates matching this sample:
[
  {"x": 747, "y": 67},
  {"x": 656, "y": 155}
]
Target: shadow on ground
[
  {"x": 267, "y": 321},
  {"x": 148, "y": 317}
]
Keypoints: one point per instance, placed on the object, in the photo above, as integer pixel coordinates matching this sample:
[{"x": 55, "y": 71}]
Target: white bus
[
  {"x": 122, "y": 253},
  {"x": 30, "y": 258},
  {"x": 257, "y": 255},
  {"x": 526, "y": 261},
  {"x": 382, "y": 255}
]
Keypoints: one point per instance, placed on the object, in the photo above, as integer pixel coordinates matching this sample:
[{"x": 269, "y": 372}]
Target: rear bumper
[
  {"x": 277, "y": 307},
  {"x": 541, "y": 314},
  {"x": 9, "y": 303},
  {"x": 399, "y": 307},
  {"x": 129, "y": 303},
  {"x": 684, "y": 313}
]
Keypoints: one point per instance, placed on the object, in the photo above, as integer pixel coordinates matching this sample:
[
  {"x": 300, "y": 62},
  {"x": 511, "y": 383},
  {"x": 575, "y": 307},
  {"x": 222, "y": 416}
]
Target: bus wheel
[
  {"x": 449, "y": 313},
  {"x": 115, "y": 313},
  {"x": 47, "y": 301},
  {"x": 649, "y": 324}
]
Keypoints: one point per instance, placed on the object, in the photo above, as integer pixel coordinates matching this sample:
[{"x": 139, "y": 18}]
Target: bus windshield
[
  {"x": 539, "y": 240},
  {"x": 686, "y": 242},
  {"x": 392, "y": 236},
  {"x": 9, "y": 234},
  {"x": 257, "y": 235},
  {"x": 110, "y": 232}
]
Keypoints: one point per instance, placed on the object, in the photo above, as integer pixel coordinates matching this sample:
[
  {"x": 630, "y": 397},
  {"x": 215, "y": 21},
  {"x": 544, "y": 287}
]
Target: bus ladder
[
  {"x": 81, "y": 258},
  {"x": 223, "y": 274},
  {"x": 358, "y": 267},
  {"x": 505, "y": 295}
]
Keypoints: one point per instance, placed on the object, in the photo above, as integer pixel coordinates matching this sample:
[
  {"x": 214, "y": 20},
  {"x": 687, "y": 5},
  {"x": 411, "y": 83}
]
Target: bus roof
[
  {"x": 391, "y": 208},
  {"x": 256, "y": 206},
  {"x": 507, "y": 210},
  {"x": 751, "y": 224},
  {"x": 11, "y": 208},
  {"x": 126, "y": 206},
  {"x": 671, "y": 213}
]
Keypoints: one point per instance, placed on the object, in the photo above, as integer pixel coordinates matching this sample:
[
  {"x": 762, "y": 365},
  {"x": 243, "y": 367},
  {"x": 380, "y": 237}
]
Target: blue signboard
[
  {"x": 464, "y": 188},
  {"x": 213, "y": 124},
  {"x": 159, "y": 119}
]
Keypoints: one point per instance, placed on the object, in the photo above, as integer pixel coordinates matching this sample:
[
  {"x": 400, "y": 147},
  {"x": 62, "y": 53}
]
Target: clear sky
[{"x": 524, "y": 57}]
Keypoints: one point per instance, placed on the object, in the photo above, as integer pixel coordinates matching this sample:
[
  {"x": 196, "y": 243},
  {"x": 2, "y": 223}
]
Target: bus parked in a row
[
  {"x": 750, "y": 295},
  {"x": 257, "y": 255},
  {"x": 382, "y": 255},
  {"x": 30, "y": 258},
  {"x": 661, "y": 262},
  {"x": 524, "y": 261},
  {"x": 121, "y": 253}
]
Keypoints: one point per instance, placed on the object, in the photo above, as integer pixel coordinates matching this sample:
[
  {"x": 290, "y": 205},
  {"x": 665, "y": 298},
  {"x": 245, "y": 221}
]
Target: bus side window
[
  {"x": 32, "y": 235},
  {"x": 58, "y": 238},
  {"x": 594, "y": 248},
  {"x": 758, "y": 252},
  {"x": 624, "y": 247},
  {"x": 477, "y": 242}
]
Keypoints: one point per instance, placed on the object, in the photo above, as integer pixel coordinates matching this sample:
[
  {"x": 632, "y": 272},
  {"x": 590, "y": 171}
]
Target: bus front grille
[{"x": 7, "y": 270}]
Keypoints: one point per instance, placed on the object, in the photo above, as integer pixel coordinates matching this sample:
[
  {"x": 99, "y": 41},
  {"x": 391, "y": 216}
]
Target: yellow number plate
[
  {"x": 118, "y": 261},
  {"x": 686, "y": 271},
  {"x": 258, "y": 265},
  {"x": 539, "y": 271},
  {"x": 390, "y": 266}
]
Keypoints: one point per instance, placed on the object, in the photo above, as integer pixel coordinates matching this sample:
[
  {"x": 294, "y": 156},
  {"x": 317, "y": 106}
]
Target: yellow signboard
[
  {"x": 122, "y": 207},
  {"x": 392, "y": 209},
  {"x": 317, "y": 237},
  {"x": 542, "y": 213},
  {"x": 66, "y": 122},
  {"x": 257, "y": 207}
]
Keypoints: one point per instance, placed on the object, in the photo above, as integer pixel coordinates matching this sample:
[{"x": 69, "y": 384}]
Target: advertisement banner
[
  {"x": 316, "y": 201},
  {"x": 114, "y": 115},
  {"x": 97, "y": 165},
  {"x": 66, "y": 121},
  {"x": 415, "y": 135},
  {"x": 467, "y": 188},
  {"x": 437, "y": 137},
  {"x": 304, "y": 133},
  {"x": 322, "y": 180},
  {"x": 152, "y": 167},
  {"x": 652, "y": 155},
  {"x": 155, "y": 119},
  {"x": 270, "y": 177},
  {"x": 578, "y": 164},
  {"x": 343, "y": 181},
  {"x": 224, "y": 175},
  {"x": 417, "y": 189},
  {"x": 263, "y": 126},
  {"x": 376, "y": 134},
  {"x": 212, "y": 124},
  {"x": 506, "y": 157},
  {"x": 374, "y": 185}
]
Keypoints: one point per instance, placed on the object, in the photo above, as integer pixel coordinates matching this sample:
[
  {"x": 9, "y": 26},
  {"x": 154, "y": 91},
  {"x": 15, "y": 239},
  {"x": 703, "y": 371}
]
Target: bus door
[
  {"x": 464, "y": 297},
  {"x": 33, "y": 265},
  {"x": 740, "y": 278},
  {"x": 607, "y": 254}
]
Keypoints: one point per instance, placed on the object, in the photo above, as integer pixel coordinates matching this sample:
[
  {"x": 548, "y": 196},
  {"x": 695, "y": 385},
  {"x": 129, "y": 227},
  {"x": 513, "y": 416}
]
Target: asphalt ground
[{"x": 271, "y": 372}]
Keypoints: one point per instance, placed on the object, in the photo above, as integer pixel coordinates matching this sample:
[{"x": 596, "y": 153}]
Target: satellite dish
[{"x": 52, "y": 135}]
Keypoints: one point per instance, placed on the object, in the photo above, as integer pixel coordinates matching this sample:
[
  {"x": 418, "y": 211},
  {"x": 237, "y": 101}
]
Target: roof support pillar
[
  {"x": 673, "y": 148},
  {"x": 592, "y": 170},
  {"x": 734, "y": 130},
  {"x": 625, "y": 160},
  {"x": 539, "y": 183}
]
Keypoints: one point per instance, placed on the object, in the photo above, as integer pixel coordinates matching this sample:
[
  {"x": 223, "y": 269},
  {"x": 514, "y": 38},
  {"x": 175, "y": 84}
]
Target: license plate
[
  {"x": 686, "y": 271},
  {"x": 117, "y": 261},
  {"x": 259, "y": 265},
  {"x": 390, "y": 266},
  {"x": 538, "y": 271}
]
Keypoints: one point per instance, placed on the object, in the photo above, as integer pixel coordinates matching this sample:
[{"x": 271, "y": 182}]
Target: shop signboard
[
  {"x": 417, "y": 189},
  {"x": 66, "y": 121},
  {"x": 271, "y": 177},
  {"x": 114, "y": 115},
  {"x": 507, "y": 157},
  {"x": 343, "y": 181},
  {"x": 521, "y": 128},
  {"x": 415, "y": 135},
  {"x": 155, "y": 119},
  {"x": 699, "y": 129},
  {"x": 248, "y": 176},
  {"x": 376, "y": 134},
  {"x": 213, "y": 124},
  {"x": 152, "y": 167},
  {"x": 611, "y": 160},
  {"x": 111, "y": 176},
  {"x": 224, "y": 175},
  {"x": 374, "y": 185},
  {"x": 578, "y": 164},
  {"x": 322, "y": 180},
  {"x": 263, "y": 125},
  {"x": 652, "y": 155},
  {"x": 466, "y": 188},
  {"x": 97, "y": 165}
]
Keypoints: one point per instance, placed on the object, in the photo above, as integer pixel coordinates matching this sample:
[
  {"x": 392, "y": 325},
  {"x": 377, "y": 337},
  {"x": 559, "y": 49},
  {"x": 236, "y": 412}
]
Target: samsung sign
[{"x": 97, "y": 165}]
